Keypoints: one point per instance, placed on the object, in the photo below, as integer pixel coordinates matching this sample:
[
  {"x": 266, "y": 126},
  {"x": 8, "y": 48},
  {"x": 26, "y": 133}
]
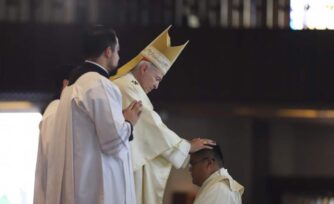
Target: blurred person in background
[{"x": 62, "y": 80}]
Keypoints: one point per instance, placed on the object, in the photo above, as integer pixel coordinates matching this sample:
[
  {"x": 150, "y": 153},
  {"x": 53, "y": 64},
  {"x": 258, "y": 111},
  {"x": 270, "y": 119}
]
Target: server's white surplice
[{"x": 90, "y": 146}]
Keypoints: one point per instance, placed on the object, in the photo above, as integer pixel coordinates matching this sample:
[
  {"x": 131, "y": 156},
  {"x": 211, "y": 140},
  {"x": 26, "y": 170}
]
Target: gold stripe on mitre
[{"x": 159, "y": 52}]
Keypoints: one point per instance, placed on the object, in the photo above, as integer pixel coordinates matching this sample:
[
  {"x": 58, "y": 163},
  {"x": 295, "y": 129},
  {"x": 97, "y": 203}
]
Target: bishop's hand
[{"x": 200, "y": 143}]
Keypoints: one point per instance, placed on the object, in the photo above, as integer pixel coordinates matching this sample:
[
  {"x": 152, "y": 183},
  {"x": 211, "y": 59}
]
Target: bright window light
[
  {"x": 18, "y": 150},
  {"x": 311, "y": 14}
]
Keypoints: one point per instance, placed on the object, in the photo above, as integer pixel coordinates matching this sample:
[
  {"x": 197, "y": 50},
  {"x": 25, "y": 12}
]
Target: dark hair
[
  {"x": 214, "y": 153},
  {"x": 60, "y": 74},
  {"x": 97, "y": 39}
]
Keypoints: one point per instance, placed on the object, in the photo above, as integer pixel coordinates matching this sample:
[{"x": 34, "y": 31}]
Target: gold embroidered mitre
[{"x": 159, "y": 52}]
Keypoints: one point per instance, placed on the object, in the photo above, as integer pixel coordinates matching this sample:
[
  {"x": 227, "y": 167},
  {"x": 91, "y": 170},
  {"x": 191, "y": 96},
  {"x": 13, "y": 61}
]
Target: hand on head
[
  {"x": 132, "y": 112},
  {"x": 200, "y": 143}
]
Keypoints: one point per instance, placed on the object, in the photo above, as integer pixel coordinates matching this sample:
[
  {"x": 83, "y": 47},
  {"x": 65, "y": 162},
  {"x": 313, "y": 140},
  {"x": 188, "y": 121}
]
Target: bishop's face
[{"x": 150, "y": 77}]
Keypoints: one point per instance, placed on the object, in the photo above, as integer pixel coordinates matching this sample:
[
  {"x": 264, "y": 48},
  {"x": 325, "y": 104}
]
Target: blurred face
[
  {"x": 199, "y": 168},
  {"x": 114, "y": 57},
  {"x": 65, "y": 83},
  {"x": 150, "y": 77}
]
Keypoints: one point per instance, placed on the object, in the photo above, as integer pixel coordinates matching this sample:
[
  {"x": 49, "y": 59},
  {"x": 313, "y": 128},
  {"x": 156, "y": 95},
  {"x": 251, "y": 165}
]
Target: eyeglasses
[{"x": 193, "y": 163}]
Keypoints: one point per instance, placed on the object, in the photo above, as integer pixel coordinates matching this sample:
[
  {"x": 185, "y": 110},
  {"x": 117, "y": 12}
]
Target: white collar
[
  {"x": 222, "y": 174},
  {"x": 97, "y": 65}
]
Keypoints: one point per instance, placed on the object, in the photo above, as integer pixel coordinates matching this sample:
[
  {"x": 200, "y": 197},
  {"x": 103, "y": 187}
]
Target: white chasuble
[{"x": 154, "y": 149}]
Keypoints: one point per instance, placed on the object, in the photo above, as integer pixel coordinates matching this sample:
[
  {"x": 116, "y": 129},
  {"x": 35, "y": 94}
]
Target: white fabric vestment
[
  {"x": 41, "y": 164},
  {"x": 89, "y": 158},
  {"x": 220, "y": 188},
  {"x": 155, "y": 148}
]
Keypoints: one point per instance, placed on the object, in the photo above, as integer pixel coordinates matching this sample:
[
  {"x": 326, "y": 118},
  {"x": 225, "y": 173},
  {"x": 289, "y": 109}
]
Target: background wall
[{"x": 237, "y": 66}]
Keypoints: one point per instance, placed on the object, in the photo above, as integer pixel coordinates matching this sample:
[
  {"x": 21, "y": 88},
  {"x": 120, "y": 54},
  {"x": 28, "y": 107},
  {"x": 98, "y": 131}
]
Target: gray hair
[{"x": 135, "y": 70}]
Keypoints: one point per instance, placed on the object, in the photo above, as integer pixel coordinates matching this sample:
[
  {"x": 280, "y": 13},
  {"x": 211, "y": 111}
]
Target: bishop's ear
[{"x": 143, "y": 68}]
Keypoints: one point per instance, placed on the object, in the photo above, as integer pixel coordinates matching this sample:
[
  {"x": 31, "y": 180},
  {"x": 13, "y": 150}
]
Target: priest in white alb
[
  {"x": 89, "y": 159},
  {"x": 155, "y": 148}
]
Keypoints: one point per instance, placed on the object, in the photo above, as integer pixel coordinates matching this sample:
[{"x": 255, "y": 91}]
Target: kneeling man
[{"x": 216, "y": 185}]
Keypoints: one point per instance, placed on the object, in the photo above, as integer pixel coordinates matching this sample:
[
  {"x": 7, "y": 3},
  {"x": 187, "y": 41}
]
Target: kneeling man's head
[{"x": 204, "y": 163}]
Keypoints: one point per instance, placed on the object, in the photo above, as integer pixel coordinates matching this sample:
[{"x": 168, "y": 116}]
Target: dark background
[{"x": 232, "y": 65}]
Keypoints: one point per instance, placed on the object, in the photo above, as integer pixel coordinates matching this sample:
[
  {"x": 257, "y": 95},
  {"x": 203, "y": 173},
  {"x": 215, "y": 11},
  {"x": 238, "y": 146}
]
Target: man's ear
[
  {"x": 210, "y": 163},
  {"x": 143, "y": 68},
  {"x": 108, "y": 52}
]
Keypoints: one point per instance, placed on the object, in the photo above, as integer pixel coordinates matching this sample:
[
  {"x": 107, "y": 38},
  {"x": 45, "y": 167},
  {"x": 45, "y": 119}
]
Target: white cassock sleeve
[
  {"x": 178, "y": 155},
  {"x": 104, "y": 107}
]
